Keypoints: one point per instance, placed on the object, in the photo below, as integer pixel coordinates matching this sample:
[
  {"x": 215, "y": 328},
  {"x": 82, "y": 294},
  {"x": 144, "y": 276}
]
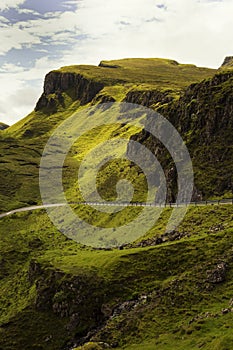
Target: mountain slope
[
  {"x": 175, "y": 294},
  {"x": 66, "y": 91}
]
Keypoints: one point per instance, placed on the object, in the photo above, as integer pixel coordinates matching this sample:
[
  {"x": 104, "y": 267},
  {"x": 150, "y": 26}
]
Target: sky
[{"x": 41, "y": 35}]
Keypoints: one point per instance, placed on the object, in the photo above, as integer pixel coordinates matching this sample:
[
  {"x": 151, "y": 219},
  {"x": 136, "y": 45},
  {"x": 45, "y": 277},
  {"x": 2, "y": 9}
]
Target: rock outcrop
[
  {"x": 75, "y": 85},
  {"x": 228, "y": 62},
  {"x": 149, "y": 98},
  {"x": 77, "y": 299},
  {"x": 3, "y": 126}
]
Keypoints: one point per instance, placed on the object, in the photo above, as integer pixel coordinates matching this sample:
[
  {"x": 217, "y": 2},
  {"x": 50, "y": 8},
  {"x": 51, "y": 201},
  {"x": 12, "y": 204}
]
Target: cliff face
[
  {"x": 207, "y": 108},
  {"x": 149, "y": 98},
  {"x": 204, "y": 117},
  {"x": 75, "y": 85},
  {"x": 228, "y": 62}
]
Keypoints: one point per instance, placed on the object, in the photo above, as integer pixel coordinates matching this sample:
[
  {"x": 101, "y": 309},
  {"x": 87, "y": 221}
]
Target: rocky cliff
[
  {"x": 228, "y": 62},
  {"x": 149, "y": 98},
  {"x": 203, "y": 115},
  {"x": 75, "y": 85}
]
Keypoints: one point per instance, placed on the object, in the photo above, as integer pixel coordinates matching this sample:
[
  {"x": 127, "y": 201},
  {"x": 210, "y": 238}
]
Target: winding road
[{"x": 137, "y": 204}]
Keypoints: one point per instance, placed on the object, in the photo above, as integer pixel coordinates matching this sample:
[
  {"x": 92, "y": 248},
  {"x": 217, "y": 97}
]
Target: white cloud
[
  {"x": 14, "y": 37},
  {"x": 11, "y": 68},
  {"x": 5, "y": 4},
  {"x": 4, "y": 20},
  {"x": 27, "y": 11},
  {"x": 16, "y": 99},
  {"x": 19, "y": 95},
  {"x": 31, "y": 32},
  {"x": 61, "y": 22}
]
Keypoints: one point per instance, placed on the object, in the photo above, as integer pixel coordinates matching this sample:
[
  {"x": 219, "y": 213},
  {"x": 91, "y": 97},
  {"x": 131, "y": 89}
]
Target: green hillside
[
  {"x": 22, "y": 144},
  {"x": 165, "y": 291},
  {"x": 53, "y": 291}
]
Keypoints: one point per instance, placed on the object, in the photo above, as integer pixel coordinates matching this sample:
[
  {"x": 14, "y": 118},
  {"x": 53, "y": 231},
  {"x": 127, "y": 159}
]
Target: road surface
[{"x": 115, "y": 204}]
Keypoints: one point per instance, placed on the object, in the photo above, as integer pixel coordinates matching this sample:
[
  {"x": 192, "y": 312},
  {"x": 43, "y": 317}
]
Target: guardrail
[
  {"x": 167, "y": 204},
  {"x": 121, "y": 204}
]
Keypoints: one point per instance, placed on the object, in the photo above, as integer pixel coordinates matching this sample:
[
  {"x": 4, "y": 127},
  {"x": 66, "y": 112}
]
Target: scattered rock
[
  {"x": 218, "y": 274},
  {"x": 225, "y": 311},
  {"x": 216, "y": 228},
  {"x": 166, "y": 237}
]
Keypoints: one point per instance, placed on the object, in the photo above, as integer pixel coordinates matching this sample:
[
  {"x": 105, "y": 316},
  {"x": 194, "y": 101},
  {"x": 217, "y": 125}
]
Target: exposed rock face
[
  {"x": 208, "y": 107},
  {"x": 3, "y": 126},
  {"x": 228, "y": 62},
  {"x": 77, "y": 86},
  {"x": 77, "y": 299},
  {"x": 148, "y": 98},
  {"x": 200, "y": 115},
  {"x": 102, "y": 99}
]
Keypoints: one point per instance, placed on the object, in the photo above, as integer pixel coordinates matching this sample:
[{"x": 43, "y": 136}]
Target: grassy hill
[
  {"x": 22, "y": 144},
  {"x": 58, "y": 294},
  {"x": 153, "y": 71}
]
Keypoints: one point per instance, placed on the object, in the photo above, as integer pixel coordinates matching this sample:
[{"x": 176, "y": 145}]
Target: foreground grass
[{"x": 172, "y": 277}]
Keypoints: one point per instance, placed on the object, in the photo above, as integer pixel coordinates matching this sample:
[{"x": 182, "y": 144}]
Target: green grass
[
  {"x": 172, "y": 275},
  {"x": 155, "y": 71}
]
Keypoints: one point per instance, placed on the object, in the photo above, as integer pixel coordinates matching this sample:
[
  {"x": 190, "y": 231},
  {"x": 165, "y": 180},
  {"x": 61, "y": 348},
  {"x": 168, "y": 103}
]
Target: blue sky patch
[
  {"x": 45, "y": 6},
  {"x": 14, "y": 16}
]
